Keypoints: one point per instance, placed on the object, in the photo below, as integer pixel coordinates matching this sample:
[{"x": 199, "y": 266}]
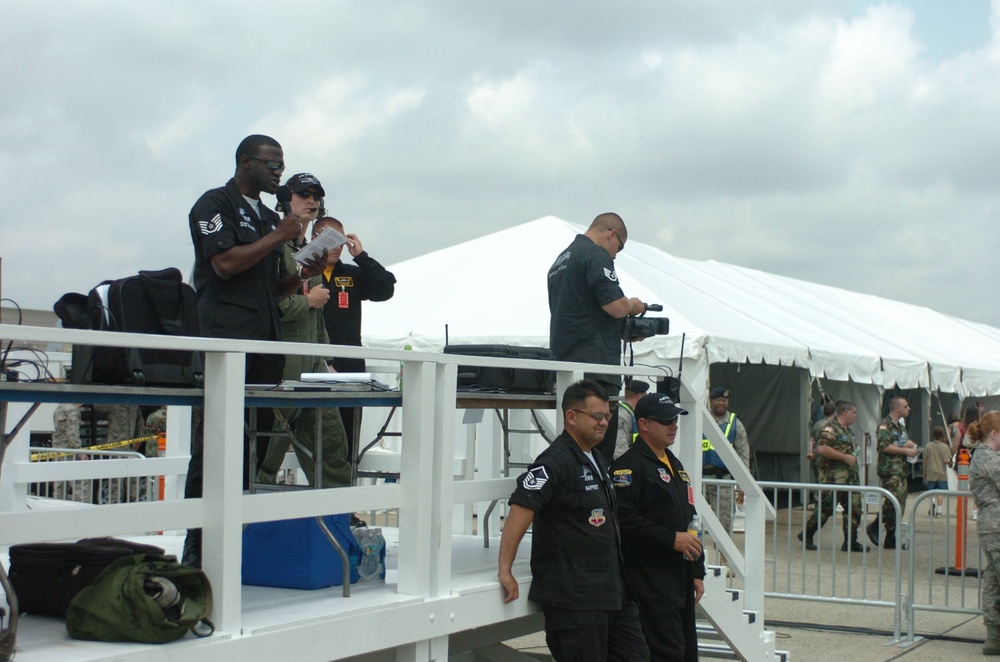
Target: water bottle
[{"x": 694, "y": 528}]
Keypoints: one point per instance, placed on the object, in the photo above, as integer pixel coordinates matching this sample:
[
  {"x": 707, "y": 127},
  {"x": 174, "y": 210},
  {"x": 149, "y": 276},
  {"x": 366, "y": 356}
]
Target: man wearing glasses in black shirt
[{"x": 237, "y": 247}]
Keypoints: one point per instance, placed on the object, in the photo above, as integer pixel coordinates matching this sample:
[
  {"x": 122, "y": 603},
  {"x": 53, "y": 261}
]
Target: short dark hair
[
  {"x": 937, "y": 433},
  {"x": 844, "y": 405},
  {"x": 828, "y": 409},
  {"x": 895, "y": 401},
  {"x": 579, "y": 391},
  {"x": 252, "y": 144}
]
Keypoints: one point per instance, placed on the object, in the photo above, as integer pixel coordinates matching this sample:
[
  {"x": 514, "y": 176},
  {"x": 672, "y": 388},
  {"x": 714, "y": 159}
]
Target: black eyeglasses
[
  {"x": 271, "y": 165},
  {"x": 621, "y": 244},
  {"x": 596, "y": 415},
  {"x": 309, "y": 194}
]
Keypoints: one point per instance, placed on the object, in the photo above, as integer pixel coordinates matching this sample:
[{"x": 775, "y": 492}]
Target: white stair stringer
[{"x": 741, "y": 629}]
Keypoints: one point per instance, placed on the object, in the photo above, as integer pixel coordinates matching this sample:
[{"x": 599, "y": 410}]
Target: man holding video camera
[{"x": 588, "y": 307}]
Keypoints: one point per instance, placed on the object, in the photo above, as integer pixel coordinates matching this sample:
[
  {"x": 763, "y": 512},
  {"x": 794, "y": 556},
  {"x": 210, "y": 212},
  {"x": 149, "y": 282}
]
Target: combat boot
[
  {"x": 992, "y": 644},
  {"x": 191, "y": 556},
  {"x": 853, "y": 545},
  {"x": 809, "y": 534}
]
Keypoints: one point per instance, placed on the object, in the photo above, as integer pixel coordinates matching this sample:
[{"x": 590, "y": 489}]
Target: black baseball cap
[
  {"x": 658, "y": 407},
  {"x": 304, "y": 180},
  {"x": 637, "y": 386}
]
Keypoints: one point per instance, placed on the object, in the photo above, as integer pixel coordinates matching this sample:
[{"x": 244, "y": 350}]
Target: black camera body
[{"x": 640, "y": 327}]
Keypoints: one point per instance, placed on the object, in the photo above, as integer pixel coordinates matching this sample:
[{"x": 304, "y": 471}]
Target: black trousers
[
  {"x": 260, "y": 369},
  {"x": 575, "y": 635},
  {"x": 670, "y": 628},
  {"x": 350, "y": 415}
]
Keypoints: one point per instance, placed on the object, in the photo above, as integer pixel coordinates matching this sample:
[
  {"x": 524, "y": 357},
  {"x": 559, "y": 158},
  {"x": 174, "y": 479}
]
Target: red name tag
[
  {"x": 343, "y": 301},
  {"x": 690, "y": 495}
]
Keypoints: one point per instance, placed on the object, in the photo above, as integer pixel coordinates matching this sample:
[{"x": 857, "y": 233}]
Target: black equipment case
[
  {"x": 47, "y": 575},
  {"x": 515, "y": 380},
  {"x": 156, "y": 302}
]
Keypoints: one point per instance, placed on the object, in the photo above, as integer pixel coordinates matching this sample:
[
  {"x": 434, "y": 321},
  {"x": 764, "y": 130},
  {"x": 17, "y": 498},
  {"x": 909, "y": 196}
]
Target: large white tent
[{"x": 493, "y": 290}]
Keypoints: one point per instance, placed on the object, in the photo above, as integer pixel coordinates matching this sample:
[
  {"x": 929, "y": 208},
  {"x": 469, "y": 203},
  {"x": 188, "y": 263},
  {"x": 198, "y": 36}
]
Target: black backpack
[{"x": 156, "y": 302}]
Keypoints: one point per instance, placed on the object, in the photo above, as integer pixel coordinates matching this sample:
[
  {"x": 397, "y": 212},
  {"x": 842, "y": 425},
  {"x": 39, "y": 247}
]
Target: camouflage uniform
[
  {"x": 984, "y": 475},
  {"x": 124, "y": 422},
  {"x": 66, "y": 426},
  {"x": 835, "y": 472},
  {"x": 720, "y": 498},
  {"x": 892, "y": 469}
]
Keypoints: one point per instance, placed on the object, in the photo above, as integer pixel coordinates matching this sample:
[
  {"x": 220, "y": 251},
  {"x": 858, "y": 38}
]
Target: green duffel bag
[{"x": 146, "y": 597}]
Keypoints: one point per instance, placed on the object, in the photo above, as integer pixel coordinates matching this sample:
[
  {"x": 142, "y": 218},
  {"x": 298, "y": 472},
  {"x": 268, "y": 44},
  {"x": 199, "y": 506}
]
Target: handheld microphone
[
  {"x": 655, "y": 307},
  {"x": 284, "y": 195}
]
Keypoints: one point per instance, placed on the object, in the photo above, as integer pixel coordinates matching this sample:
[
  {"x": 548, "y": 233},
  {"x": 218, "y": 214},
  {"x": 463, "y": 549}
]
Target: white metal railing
[{"x": 423, "y": 497}]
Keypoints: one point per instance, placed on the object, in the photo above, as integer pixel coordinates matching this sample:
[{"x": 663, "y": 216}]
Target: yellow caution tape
[{"x": 43, "y": 457}]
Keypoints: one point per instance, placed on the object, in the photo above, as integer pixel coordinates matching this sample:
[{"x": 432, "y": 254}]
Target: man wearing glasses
[
  {"x": 587, "y": 306},
  {"x": 664, "y": 560},
  {"x": 577, "y": 576},
  {"x": 237, "y": 247}
]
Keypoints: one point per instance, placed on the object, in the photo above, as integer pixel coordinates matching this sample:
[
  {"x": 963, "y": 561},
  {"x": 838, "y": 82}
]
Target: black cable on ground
[{"x": 868, "y": 631}]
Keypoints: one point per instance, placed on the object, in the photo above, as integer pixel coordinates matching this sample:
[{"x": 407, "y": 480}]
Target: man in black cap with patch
[
  {"x": 721, "y": 498},
  {"x": 577, "y": 576},
  {"x": 664, "y": 561}
]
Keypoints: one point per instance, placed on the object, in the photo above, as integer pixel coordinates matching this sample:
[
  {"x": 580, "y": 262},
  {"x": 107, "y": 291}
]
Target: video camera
[{"x": 641, "y": 327}]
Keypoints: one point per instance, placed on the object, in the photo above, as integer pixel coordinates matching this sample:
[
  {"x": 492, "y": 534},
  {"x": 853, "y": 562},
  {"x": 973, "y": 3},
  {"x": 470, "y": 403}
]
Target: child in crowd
[{"x": 937, "y": 458}]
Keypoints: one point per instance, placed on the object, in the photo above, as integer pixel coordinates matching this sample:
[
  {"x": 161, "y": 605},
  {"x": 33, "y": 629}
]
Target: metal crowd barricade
[
  {"x": 944, "y": 573},
  {"x": 97, "y": 490},
  {"x": 829, "y": 574}
]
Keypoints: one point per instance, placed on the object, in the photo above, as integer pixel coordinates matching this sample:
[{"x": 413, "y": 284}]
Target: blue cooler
[{"x": 297, "y": 554}]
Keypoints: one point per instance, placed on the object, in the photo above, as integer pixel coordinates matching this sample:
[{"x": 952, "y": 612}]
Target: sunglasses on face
[
  {"x": 271, "y": 165},
  {"x": 309, "y": 194},
  {"x": 596, "y": 415}
]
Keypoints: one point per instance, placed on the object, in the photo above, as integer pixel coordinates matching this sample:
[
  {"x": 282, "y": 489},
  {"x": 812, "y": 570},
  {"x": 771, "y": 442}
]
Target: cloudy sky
[{"x": 850, "y": 143}]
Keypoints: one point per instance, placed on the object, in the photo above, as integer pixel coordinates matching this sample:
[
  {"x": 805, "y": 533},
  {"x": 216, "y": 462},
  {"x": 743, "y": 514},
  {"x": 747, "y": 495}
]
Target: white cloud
[{"x": 786, "y": 135}]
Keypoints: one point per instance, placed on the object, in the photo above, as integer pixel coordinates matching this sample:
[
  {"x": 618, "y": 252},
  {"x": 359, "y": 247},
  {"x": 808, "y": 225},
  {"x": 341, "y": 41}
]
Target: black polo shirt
[
  {"x": 575, "y": 555},
  {"x": 246, "y": 305},
  {"x": 581, "y": 281}
]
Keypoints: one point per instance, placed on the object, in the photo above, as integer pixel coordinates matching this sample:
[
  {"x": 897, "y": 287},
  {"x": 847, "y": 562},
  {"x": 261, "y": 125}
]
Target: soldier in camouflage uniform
[
  {"x": 894, "y": 446},
  {"x": 66, "y": 434},
  {"x": 838, "y": 465},
  {"x": 124, "y": 422},
  {"x": 984, "y": 478}
]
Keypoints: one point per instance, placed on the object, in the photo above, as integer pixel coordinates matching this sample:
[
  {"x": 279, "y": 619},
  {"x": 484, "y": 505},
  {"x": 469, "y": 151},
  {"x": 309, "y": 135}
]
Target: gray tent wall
[{"x": 775, "y": 404}]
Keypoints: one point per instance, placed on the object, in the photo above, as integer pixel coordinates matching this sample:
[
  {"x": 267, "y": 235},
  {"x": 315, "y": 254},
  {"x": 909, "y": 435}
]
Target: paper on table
[
  {"x": 336, "y": 376},
  {"x": 328, "y": 239}
]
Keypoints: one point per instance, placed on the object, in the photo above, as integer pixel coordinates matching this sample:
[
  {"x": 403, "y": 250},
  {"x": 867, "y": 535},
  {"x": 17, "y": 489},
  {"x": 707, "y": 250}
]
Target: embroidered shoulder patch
[
  {"x": 211, "y": 226},
  {"x": 622, "y": 479},
  {"x": 535, "y": 479}
]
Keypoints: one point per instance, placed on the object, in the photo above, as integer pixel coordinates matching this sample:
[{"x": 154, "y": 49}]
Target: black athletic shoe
[{"x": 872, "y": 531}]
